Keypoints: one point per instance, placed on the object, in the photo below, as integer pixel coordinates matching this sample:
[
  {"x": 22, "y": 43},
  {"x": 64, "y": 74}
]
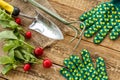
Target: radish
[
  {"x": 47, "y": 63},
  {"x": 27, "y": 67},
  {"x": 28, "y": 35},
  {"x": 18, "y": 20},
  {"x": 38, "y": 51}
]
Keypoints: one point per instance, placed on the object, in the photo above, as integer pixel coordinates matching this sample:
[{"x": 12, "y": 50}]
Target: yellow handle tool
[{"x": 9, "y": 8}]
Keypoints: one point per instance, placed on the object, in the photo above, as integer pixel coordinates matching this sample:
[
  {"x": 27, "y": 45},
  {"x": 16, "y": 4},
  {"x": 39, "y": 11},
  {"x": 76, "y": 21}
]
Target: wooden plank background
[{"x": 58, "y": 50}]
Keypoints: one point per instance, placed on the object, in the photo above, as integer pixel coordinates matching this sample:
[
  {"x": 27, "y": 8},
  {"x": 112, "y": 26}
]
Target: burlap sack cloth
[{"x": 28, "y": 9}]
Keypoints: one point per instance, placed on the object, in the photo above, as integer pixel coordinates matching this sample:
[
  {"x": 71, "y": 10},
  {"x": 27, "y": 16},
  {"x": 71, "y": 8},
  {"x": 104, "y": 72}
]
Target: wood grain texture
[
  {"x": 57, "y": 51},
  {"x": 72, "y": 13}
]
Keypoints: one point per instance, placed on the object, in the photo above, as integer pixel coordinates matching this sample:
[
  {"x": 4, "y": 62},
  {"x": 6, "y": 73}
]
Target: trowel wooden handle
[{"x": 9, "y": 8}]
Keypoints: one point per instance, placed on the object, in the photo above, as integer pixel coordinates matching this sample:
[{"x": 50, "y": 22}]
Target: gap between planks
[{"x": 73, "y": 13}]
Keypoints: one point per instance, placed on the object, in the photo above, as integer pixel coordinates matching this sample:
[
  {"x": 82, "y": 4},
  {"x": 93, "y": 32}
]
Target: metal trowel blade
[{"x": 46, "y": 27}]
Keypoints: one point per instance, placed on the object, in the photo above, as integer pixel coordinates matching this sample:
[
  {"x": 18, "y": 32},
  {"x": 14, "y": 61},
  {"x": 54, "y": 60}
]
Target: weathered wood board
[{"x": 58, "y": 50}]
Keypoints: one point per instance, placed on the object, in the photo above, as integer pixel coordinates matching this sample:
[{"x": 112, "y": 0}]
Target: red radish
[
  {"x": 27, "y": 67},
  {"x": 28, "y": 34},
  {"x": 47, "y": 63},
  {"x": 18, "y": 20},
  {"x": 38, "y": 51}
]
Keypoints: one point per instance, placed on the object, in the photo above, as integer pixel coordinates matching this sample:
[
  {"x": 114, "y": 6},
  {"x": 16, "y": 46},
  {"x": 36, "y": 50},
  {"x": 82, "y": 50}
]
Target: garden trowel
[{"x": 40, "y": 24}]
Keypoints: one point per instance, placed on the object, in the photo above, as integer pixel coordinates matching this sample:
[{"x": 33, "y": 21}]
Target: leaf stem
[{"x": 27, "y": 44}]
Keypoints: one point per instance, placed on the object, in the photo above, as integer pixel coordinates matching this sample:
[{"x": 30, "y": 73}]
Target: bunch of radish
[{"x": 38, "y": 51}]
